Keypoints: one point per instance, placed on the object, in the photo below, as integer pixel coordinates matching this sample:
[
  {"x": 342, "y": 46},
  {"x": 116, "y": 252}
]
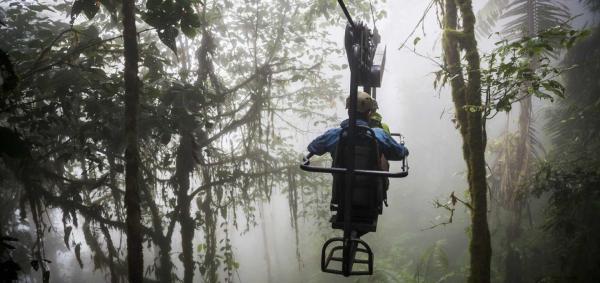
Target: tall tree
[
  {"x": 66, "y": 102},
  {"x": 517, "y": 153},
  {"x": 506, "y": 73},
  {"x": 135, "y": 255},
  {"x": 466, "y": 95}
]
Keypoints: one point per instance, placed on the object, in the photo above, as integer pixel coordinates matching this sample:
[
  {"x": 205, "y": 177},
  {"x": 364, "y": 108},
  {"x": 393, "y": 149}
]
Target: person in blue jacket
[{"x": 327, "y": 142}]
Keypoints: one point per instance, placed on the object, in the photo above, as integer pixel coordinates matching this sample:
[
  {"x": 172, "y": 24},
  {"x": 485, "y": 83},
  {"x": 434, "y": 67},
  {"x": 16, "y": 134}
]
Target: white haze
[{"x": 411, "y": 106}]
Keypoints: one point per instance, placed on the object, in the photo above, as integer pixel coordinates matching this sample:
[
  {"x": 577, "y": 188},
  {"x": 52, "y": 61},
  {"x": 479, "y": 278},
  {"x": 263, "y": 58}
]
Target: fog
[
  {"x": 270, "y": 247},
  {"x": 409, "y": 105},
  {"x": 266, "y": 251}
]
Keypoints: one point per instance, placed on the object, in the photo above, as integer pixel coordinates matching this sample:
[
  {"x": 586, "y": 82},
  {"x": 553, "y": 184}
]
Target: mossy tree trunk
[
  {"x": 132, "y": 159},
  {"x": 466, "y": 95},
  {"x": 185, "y": 166}
]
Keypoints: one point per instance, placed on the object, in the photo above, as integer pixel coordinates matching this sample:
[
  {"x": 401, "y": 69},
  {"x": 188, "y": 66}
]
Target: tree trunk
[
  {"x": 185, "y": 165},
  {"x": 466, "y": 95},
  {"x": 209, "y": 268},
  {"x": 132, "y": 198},
  {"x": 267, "y": 254},
  {"x": 165, "y": 269}
]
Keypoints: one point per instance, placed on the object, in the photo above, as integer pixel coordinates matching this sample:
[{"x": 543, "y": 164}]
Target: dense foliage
[
  {"x": 217, "y": 110},
  {"x": 226, "y": 89},
  {"x": 571, "y": 176}
]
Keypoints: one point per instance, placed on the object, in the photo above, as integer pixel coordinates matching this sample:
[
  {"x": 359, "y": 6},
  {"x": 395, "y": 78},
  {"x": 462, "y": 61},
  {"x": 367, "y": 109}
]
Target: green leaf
[
  {"x": 67, "y": 235},
  {"x": 90, "y": 8},
  {"x": 78, "y": 254},
  {"x": 416, "y": 40},
  {"x": 153, "y": 4},
  {"x": 189, "y": 24},
  {"x": 188, "y": 30},
  {"x": 167, "y": 36}
]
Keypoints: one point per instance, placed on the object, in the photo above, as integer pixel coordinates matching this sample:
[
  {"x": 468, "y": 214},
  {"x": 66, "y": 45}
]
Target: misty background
[{"x": 269, "y": 248}]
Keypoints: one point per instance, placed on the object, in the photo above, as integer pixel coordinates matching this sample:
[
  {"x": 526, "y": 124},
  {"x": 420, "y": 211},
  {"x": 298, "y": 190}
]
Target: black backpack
[{"x": 367, "y": 191}]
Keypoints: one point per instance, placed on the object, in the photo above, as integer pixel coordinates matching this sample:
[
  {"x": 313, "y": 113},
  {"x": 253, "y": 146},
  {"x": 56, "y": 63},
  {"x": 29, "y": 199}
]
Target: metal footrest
[{"x": 349, "y": 249}]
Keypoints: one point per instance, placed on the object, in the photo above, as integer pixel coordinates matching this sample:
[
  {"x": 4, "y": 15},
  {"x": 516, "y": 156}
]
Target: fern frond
[{"x": 489, "y": 15}]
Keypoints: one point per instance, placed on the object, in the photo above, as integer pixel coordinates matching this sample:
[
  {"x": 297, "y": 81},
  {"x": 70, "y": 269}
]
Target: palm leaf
[
  {"x": 489, "y": 15},
  {"x": 546, "y": 13},
  {"x": 536, "y": 148}
]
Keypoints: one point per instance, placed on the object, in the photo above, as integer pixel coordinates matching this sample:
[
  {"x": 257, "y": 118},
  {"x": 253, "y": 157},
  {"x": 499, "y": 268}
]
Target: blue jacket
[{"x": 327, "y": 142}]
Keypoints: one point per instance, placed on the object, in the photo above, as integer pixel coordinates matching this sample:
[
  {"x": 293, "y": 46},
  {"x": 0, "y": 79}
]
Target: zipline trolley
[{"x": 358, "y": 180}]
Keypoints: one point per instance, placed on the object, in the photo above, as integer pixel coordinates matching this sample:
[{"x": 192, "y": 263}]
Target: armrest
[{"x": 307, "y": 167}]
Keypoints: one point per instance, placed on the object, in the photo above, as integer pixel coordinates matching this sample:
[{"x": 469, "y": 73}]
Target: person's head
[{"x": 364, "y": 105}]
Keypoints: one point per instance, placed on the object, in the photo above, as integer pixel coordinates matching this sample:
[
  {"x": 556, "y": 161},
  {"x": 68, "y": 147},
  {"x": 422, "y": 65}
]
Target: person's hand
[{"x": 306, "y": 159}]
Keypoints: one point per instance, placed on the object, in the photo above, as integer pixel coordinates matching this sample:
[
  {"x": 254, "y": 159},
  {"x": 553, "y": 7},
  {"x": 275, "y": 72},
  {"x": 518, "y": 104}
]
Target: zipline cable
[{"x": 343, "y": 6}]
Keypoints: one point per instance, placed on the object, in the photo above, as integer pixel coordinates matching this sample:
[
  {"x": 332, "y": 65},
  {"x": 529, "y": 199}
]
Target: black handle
[{"x": 307, "y": 167}]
